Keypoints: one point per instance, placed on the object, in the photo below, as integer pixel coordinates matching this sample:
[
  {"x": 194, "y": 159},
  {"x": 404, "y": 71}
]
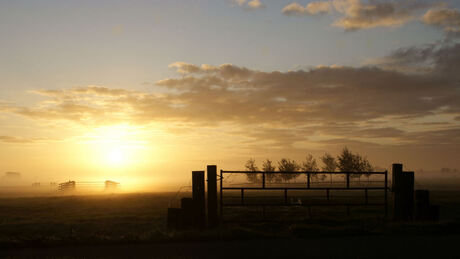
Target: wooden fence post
[
  {"x": 212, "y": 195},
  {"x": 403, "y": 189},
  {"x": 199, "y": 198},
  {"x": 221, "y": 203}
]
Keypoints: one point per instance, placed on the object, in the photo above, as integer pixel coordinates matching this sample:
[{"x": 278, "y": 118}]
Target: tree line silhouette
[{"x": 346, "y": 161}]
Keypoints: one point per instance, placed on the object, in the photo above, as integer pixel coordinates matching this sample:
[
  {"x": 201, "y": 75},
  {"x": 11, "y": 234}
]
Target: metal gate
[{"x": 349, "y": 182}]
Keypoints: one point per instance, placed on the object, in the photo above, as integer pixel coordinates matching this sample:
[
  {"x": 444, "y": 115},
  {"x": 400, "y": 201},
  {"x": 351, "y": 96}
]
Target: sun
[
  {"x": 115, "y": 157},
  {"x": 117, "y": 146}
]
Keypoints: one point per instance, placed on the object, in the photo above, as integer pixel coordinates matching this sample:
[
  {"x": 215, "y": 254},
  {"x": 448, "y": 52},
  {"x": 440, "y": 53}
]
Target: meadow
[{"x": 141, "y": 217}]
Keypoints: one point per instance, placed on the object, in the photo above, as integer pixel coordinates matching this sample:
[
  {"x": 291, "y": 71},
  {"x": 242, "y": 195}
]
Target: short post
[
  {"x": 308, "y": 180},
  {"x": 199, "y": 198},
  {"x": 422, "y": 204},
  {"x": 212, "y": 195}
]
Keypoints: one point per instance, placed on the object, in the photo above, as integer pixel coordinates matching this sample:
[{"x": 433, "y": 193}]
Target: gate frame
[{"x": 308, "y": 187}]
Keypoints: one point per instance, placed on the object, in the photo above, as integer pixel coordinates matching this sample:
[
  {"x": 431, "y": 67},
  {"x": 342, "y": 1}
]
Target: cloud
[
  {"x": 312, "y": 8},
  {"x": 357, "y": 15},
  {"x": 366, "y": 104},
  {"x": 439, "y": 60},
  {"x": 249, "y": 5},
  {"x": 255, "y": 4},
  {"x": 445, "y": 18},
  {"x": 373, "y": 14},
  {"x": 20, "y": 140}
]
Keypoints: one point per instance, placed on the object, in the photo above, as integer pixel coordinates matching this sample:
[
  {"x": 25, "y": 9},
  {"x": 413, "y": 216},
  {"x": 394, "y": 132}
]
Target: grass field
[{"x": 140, "y": 218}]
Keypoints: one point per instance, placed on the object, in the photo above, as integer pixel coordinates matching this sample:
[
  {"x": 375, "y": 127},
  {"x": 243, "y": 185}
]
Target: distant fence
[
  {"x": 237, "y": 182},
  {"x": 73, "y": 185}
]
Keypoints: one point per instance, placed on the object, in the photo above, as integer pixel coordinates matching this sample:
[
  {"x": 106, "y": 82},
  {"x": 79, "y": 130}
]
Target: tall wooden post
[
  {"x": 212, "y": 195},
  {"x": 386, "y": 194},
  {"x": 199, "y": 198},
  {"x": 395, "y": 187},
  {"x": 221, "y": 203},
  {"x": 403, "y": 189},
  {"x": 397, "y": 170}
]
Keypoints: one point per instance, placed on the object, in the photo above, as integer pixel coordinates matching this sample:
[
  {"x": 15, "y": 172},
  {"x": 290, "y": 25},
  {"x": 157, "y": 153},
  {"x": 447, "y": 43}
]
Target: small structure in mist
[
  {"x": 67, "y": 186},
  {"x": 12, "y": 176},
  {"x": 11, "y": 179},
  {"x": 111, "y": 185}
]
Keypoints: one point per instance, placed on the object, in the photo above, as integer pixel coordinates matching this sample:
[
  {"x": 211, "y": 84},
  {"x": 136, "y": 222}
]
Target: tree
[
  {"x": 329, "y": 163},
  {"x": 349, "y": 162},
  {"x": 287, "y": 165},
  {"x": 251, "y": 167},
  {"x": 310, "y": 165},
  {"x": 268, "y": 166}
]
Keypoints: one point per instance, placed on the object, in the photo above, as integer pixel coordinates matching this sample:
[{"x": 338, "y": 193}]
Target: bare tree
[
  {"x": 287, "y": 165},
  {"x": 251, "y": 167}
]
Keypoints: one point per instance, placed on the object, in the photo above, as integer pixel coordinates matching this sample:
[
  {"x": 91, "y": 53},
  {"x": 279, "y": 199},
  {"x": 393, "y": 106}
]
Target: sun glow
[
  {"x": 115, "y": 157},
  {"x": 115, "y": 146}
]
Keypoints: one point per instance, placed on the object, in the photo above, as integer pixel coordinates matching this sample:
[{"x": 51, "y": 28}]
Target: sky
[{"x": 147, "y": 91}]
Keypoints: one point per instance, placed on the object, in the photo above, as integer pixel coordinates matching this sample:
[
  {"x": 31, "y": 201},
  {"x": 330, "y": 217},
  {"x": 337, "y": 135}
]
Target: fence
[
  {"x": 289, "y": 182},
  {"x": 88, "y": 186}
]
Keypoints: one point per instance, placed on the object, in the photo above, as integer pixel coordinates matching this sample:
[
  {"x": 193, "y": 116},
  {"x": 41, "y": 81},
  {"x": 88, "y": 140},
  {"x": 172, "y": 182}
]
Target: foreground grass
[{"x": 139, "y": 218}]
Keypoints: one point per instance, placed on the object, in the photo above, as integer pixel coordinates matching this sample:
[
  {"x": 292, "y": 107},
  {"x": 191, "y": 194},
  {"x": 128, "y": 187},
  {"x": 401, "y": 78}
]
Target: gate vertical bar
[
  {"x": 308, "y": 180},
  {"x": 365, "y": 196},
  {"x": 348, "y": 180},
  {"x": 263, "y": 180},
  {"x": 285, "y": 196}
]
